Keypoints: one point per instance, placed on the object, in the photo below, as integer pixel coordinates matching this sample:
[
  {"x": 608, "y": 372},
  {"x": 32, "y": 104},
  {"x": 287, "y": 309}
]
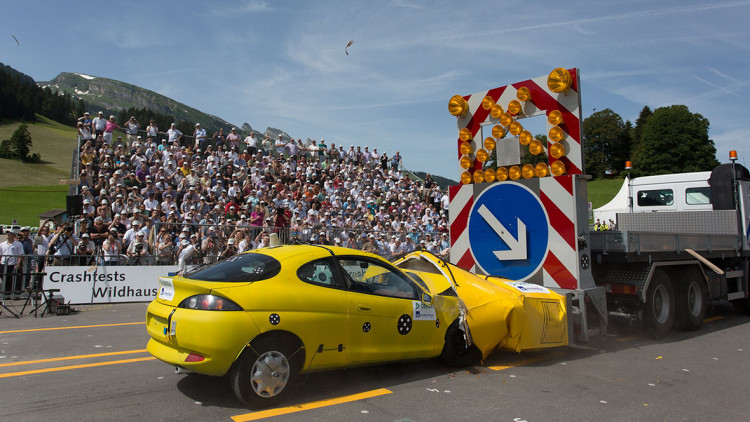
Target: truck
[{"x": 678, "y": 242}]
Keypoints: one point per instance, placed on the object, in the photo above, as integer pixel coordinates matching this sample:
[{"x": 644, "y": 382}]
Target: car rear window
[{"x": 242, "y": 268}]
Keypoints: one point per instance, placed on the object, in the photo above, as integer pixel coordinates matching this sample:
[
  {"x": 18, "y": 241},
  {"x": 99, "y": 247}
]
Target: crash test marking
[{"x": 253, "y": 416}]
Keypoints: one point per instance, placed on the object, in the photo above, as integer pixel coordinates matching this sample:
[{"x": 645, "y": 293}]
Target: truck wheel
[
  {"x": 659, "y": 309},
  {"x": 691, "y": 302},
  {"x": 455, "y": 352},
  {"x": 261, "y": 377}
]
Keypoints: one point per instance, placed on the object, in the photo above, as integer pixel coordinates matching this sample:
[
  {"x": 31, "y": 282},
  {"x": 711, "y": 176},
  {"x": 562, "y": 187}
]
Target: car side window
[
  {"x": 321, "y": 272},
  {"x": 371, "y": 277}
]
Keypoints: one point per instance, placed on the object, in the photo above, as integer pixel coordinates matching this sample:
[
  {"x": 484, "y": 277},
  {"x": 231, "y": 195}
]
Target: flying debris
[
  {"x": 349, "y": 44},
  {"x": 14, "y": 37}
]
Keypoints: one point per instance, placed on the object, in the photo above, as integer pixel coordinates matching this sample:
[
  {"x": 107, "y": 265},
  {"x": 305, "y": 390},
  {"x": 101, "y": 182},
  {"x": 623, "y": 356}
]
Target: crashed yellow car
[{"x": 268, "y": 315}]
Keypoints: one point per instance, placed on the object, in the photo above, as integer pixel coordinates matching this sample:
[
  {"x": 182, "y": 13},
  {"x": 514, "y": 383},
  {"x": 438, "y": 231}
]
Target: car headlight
[{"x": 209, "y": 303}]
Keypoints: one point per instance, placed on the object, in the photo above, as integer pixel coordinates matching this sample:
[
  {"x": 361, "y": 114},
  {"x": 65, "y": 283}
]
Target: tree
[
  {"x": 637, "y": 131},
  {"x": 19, "y": 146},
  {"x": 674, "y": 140},
  {"x": 606, "y": 143}
]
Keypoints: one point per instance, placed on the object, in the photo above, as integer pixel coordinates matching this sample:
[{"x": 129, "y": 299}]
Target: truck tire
[
  {"x": 691, "y": 301},
  {"x": 455, "y": 352},
  {"x": 659, "y": 311}
]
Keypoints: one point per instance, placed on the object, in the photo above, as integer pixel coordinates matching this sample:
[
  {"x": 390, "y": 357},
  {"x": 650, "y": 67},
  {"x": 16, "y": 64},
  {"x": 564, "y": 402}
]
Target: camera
[{"x": 139, "y": 247}]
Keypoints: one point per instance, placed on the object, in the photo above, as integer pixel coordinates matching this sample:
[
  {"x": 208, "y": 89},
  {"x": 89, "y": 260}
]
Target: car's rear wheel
[
  {"x": 455, "y": 351},
  {"x": 263, "y": 374}
]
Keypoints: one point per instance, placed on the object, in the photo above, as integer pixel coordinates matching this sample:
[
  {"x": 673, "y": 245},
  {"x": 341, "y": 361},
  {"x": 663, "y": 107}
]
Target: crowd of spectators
[{"x": 165, "y": 197}]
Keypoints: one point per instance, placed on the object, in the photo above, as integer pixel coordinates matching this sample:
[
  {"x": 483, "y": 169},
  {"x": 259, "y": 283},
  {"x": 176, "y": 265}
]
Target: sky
[{"x": 283, "y": 63}]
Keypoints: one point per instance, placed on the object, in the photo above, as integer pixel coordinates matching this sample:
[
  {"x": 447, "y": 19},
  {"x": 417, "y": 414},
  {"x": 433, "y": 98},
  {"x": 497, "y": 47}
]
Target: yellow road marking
[
  {"x": 312, "y": 405},
  {"x": 712, "y": 319},
  {"x": 623, "y": 339},
  {"x": 96, "y": 355},
  {"x": 71, "y": 328},
  {"x": 526, "y": 361},
  {"x": 66, "y": 368}
]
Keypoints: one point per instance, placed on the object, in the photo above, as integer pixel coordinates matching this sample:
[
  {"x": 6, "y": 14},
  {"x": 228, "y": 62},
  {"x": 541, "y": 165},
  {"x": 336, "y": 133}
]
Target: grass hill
[{"x": 27, "y": 190}]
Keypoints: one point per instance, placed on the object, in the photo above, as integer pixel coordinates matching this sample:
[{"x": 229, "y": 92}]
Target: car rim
[
  {"x": 270, "y": 374},
  {"x": 661, "y": 304},
  {"x": 694, "y": 300}
]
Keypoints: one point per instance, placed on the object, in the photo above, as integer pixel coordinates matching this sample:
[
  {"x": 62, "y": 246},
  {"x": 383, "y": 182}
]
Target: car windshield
[{"x": 241, "y": 268}]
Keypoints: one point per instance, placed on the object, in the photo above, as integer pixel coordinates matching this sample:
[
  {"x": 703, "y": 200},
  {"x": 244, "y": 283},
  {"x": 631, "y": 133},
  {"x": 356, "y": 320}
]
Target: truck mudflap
[{"x": 500, "y": 313}]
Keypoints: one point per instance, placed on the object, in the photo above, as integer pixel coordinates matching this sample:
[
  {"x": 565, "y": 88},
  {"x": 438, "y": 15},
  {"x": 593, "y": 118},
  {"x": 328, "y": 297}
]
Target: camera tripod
[{"x": 36, "y": 294}]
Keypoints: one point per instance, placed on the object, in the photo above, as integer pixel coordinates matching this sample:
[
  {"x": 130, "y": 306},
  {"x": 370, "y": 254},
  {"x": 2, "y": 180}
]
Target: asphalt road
[{"x": 93, "y": 366}]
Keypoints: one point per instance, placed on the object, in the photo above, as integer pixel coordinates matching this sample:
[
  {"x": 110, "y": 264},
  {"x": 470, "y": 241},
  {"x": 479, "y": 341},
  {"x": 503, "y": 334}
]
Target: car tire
[
  {"x": 659, "y": 311},
  {"x": 691, "y": 301},
  {"x": 263, "y": 375},
  {"x": 455, "y": 352}
]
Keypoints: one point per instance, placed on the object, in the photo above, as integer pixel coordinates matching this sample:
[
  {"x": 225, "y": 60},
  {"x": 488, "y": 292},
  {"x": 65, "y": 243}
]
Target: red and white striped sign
[
  {"x": 542, "y": 101},
  {"x": 558, "y": 195}
]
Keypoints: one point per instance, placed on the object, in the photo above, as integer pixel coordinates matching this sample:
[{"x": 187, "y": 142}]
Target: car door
[
  {"x": 323, "y": 296},
  {"x": 386, "y": 320}
]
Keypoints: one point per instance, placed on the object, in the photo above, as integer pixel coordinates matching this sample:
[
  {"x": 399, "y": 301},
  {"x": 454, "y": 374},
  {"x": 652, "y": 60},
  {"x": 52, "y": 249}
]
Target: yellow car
[{"x": 268, "y": 315}]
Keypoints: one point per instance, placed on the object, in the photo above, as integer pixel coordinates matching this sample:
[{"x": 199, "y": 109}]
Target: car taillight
[
  {"x": 194, "y": 358},
  {"x": 209, "y": 303}
]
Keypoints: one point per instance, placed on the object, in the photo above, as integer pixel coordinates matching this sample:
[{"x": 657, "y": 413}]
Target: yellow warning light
[
  {"x": 555, "y": 118},
  {"x": 732, "y": 156},
  {"x": 541, "y": 170},
  {"x": 489, "y": 175},
  {"x": 465, "y": 178},
  {"x": 487, "y": 102},
  {"x": 556, "y": 150},
  {"x": 514, "y": 107},
  {"x": 559, "y": 80},
  {"x": 514, "y": 173},
  {"x": 466, "y": 162},
  {"x": 496, "y": 111},
  {"x": 515, "y": 128},
  {"x": 506, "y": 119},
  {"x": 498, "y": 132},
  {"x": 629, "y": 164},
  {"x": 557, "y": 168},
  {"x": 465, "y": 148},
  {"x": 523, "y": 94},
  {"x": 535, "y": 147},
  {"x": 465, "y": 134},
  {"x": 527, "y": 171},
  {"x": 478, "y": 176},
  {"x": 556, "y": 134},
  {"x": 489, "y": 143},
  {"x": 482, "y": 155},
  {"x": 501, "y": 174},
  {"x": 457, "y": 106},
  {"x": 525, "y": 137}
]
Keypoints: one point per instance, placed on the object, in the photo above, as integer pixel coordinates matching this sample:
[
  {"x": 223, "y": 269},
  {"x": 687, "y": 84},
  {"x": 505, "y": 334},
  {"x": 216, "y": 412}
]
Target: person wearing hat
[
  {"x": 84, "y": 251},
  {"x": 138, "y": 250},
  {"x": 219, "y": 138},
  {"x": 130, "y": 235},
  {"x": 86, "y": 120},
  {"x": 251, "y": 144},
  {"x": 109, "y": 130},
  {"x": 201, "y": 137},
  {"x": 98, "y": 124},
  {"x": 152, "y": 131},
  {"x": 233, "y": 139},
  {"x": 131, "y": 130},
  {"x": 184, "y": 252},
  {"x": 62, "y": 244}
]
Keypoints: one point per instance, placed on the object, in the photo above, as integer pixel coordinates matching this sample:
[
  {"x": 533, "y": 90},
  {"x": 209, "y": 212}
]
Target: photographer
[
  {"x": 84, "y": 251},
  {"x": 138, "y": 250},
  {"x": 62, "y": 244}
]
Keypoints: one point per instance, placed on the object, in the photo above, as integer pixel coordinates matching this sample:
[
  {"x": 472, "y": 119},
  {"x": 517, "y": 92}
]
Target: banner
[{"x": 106, "y": 284}]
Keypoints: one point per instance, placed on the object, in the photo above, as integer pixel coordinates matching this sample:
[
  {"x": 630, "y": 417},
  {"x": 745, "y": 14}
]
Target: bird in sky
[
  {"x": 14, "y": 37},
  {"x": 345, "y": 48}
]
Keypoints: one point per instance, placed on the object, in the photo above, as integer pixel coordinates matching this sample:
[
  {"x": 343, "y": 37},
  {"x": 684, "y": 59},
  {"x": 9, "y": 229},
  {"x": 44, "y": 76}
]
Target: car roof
[{"x": 284, "y": 252}]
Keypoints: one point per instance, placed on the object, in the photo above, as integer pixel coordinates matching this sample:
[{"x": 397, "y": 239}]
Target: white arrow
[{"x": 517, "y": 246}]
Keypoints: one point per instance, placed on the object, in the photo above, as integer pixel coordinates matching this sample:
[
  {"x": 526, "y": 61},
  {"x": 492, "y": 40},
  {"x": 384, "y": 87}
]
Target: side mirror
[{"x": 426, "y": 299}]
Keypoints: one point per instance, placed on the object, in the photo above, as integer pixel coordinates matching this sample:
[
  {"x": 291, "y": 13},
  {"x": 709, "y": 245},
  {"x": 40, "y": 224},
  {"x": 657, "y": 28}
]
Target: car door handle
[{"x": 364, "y": 308}]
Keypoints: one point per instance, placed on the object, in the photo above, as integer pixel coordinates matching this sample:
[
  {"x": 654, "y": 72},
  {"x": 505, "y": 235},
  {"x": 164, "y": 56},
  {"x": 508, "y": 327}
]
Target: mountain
[{"x": 111, "y": 96}]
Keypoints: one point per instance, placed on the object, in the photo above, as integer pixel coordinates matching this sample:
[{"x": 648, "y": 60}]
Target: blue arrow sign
[{"x": 508, "y": 231}]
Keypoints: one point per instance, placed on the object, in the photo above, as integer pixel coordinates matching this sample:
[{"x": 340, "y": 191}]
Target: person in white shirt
[
  {"x": 173, "y": 133},
  {"x": 9, "y": 260},
  {"x": 201, "y": 137},
  {"x": 252, "y": 144},
  {"x": 99, "y": 124}
]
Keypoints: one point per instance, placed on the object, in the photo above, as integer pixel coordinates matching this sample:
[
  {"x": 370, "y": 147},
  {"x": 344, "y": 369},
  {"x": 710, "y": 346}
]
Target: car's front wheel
[
  {"x": 455, "y": 351},
  {"x": 263, "y": 374}
]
